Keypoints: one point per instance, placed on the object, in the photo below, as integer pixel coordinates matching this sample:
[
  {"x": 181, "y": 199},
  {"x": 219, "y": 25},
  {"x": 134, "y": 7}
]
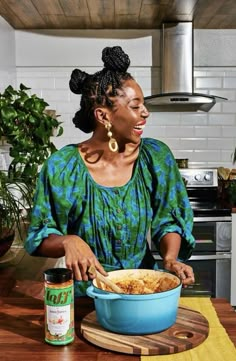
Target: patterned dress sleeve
[
  {"x": 171, "y": 207},
  {"x": 49, "y": 215}
]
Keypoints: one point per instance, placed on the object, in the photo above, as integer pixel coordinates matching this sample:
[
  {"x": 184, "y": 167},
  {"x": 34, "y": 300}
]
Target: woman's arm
[
  {"x": 169, "y": 250},
  {"x": 170, "y": 246},
  {"x": 78, "y": 255},
  {"x": 52, "y": 247}
]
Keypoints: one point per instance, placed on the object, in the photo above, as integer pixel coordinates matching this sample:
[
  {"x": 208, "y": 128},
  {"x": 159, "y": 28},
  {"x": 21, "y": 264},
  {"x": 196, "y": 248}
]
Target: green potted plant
[
  {"x": 227, "y": 184},
  {"x": 26, "y": 127},
  {"x": 15, "y": 206}
]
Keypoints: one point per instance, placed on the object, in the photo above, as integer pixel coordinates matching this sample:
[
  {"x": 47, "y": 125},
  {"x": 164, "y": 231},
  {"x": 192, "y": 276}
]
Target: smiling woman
[{"x": 97, "y": 200}]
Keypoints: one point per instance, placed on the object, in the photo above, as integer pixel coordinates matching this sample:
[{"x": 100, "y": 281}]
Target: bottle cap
[{"x": 58, "y": 275}]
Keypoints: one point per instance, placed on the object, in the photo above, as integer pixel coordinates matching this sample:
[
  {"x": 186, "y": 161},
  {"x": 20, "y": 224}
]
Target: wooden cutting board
[{"x": 190, "y": 330}]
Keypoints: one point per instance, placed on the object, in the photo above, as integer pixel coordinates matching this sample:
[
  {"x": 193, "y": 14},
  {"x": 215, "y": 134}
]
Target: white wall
[
  {"x": 7, "y": 73},
  {"x": 7, "y": 57},
  {"x": 45, "y": 59}
]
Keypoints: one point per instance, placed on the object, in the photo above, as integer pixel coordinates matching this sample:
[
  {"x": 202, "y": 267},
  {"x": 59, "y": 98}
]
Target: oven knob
[
  {"x": 198, "y": 177},
  {"x": 207, "y": 177}
]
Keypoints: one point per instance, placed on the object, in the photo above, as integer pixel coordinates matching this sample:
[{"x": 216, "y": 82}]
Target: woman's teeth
[{"x": 139, "y": 127}]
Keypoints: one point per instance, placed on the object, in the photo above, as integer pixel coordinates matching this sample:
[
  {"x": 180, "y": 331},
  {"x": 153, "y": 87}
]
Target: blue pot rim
[{"x": 133, "y": 296}]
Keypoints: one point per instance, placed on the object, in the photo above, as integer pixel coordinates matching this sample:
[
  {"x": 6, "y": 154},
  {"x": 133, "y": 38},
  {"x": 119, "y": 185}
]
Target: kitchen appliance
[
  {"x": 177, "y": 91},
  {"x": 211, "y": 258},
  {"x": 137, "y": 313}
]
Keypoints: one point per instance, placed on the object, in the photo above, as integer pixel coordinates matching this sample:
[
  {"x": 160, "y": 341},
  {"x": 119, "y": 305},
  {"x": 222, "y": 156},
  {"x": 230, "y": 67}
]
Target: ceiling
[{"x": 117, "y": 14}]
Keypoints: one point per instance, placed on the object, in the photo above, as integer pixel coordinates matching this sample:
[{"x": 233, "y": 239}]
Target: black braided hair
[{"x": 97, "y": 89}]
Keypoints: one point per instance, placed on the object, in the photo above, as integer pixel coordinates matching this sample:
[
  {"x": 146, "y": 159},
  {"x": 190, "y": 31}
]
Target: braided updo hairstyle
[{"x": 96, "y": 89}]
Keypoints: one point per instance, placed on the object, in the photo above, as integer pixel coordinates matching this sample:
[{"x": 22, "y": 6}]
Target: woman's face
[{"x": 129, "y": 114}]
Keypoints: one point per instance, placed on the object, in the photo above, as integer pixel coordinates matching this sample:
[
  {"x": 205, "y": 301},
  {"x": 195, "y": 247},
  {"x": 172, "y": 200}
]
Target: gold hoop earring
[{"x": 113, "y": 146}]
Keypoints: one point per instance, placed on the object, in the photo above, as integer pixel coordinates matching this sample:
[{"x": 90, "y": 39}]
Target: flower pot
[{"x": 6, "y": 240}]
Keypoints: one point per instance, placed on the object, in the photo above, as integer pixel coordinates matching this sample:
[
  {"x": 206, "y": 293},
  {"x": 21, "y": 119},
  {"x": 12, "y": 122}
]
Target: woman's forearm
[
  {"x": 169, "y": 249},
  {"x": 52, "y": 246},
  {"x": 170, "y": 246}
]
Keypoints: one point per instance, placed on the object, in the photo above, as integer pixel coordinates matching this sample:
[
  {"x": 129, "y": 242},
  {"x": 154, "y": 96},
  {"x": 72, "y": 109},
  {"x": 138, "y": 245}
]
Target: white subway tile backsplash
[
  {"x": 228, "y": 94},
  {"x": 173, "y": 143},
  {"x": 145, "y": 83},
  {"x": 200, "y": 73},
  {"x": 226, "y": 156},
  {"x": 151, "y": 131},
  {"x": 66, "y": 107},
  {"x": 220, "y": 143},
  {"x": 206, "y": 139},
  {"x": 229, "y": 107},
  {"x": 228, "y": 131},
  {"x": 61, "y": 141},
  {"x": 194, "y": 118},
  {"x": 193, "y": 143},
  {"x": 207, "y": 155},
  {"x": 38, "y": 83},
  {"x": 230, "y": 82},
  {"x": 208, "y": 82},
  {"x": 34, "y": 73},
  {"x": 52, "y": 95},
  {"x": 202, "y": 91},
  {"x": 217, "y": 108},
  {"x": 68, "y": 129},
  {"x": 215, "y": 73},
  {"x": 183, "y": 153},
  {"x": 166, "y": 118},
  {"x": 62, "y": 83},
  {"x": 201, "y": 131},
  {"x": 221, "y": 119},
  {"x": 180, "y": 131}
]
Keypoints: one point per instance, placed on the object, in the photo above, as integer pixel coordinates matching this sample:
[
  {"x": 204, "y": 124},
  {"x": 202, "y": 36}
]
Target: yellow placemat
[{"x": 217, "y": 346}]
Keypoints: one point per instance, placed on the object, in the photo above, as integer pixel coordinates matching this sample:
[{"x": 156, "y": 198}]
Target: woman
[{"x": 96, "y": 201}]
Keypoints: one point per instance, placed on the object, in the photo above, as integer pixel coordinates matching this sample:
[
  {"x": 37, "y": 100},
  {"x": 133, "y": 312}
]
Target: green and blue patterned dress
[{"x": 114, "y": 221}]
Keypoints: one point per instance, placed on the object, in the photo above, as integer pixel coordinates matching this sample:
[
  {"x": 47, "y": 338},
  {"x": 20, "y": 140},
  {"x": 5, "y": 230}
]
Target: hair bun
[
  {"x": 114, "y": 58},
  {"x": 77, "y": 80}
]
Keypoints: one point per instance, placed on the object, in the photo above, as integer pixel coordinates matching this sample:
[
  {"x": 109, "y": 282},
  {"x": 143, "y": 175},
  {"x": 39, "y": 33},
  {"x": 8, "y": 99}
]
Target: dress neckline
[{"x": 130, "y": 181}]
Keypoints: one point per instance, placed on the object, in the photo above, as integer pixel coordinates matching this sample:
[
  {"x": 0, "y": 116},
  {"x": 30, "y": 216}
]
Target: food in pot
[{"x": 143, "y": 285}]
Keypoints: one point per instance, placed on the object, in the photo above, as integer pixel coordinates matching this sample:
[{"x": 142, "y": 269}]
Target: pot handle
[{"x": 111, "y": 296}]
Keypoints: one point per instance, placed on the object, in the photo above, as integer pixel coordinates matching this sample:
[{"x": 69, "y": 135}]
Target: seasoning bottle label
[{"x": 59, "y": 317}]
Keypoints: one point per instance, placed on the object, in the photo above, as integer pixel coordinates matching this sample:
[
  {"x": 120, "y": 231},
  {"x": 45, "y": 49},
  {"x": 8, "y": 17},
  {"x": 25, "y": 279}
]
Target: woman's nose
[{"x": 145, "y": 112}]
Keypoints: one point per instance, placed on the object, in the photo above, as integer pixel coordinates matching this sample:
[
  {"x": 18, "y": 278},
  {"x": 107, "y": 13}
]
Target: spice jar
[{"x": 59, "y": 306}]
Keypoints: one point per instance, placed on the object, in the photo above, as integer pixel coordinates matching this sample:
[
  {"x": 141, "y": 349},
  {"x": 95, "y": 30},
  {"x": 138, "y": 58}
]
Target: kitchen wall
[
  {"x": 7, "y": 58},
  {"x": 7, "y": 73},
  {"x": 45, "y": 59}
]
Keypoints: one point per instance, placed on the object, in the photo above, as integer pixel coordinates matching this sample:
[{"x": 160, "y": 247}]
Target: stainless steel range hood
[{"x": 177, "y": 92}]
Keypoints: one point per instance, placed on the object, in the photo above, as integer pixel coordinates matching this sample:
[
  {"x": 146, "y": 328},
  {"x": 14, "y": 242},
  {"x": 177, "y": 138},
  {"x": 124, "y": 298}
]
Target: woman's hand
[
  {"x": 79, "y": 257},
  {"x": 170, "y": 246},
  {"x": 182, "y": 270}
]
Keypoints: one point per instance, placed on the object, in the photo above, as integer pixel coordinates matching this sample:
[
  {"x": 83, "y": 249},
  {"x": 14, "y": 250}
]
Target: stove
[
  {"x": 212, "y": 230},
  {"x": 202, "y": 189}
]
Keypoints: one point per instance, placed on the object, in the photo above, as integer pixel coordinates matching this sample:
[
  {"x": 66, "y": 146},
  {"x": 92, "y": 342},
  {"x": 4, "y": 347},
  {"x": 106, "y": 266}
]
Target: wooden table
[{"x": 22, "y": 332}]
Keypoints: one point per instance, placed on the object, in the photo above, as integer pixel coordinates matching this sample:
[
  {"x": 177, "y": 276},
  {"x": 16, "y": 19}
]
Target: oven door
[
  {"x": 211, "y": 257},
  {"x": 212, "y": 234},
  {"x": 212, "y": 275}
]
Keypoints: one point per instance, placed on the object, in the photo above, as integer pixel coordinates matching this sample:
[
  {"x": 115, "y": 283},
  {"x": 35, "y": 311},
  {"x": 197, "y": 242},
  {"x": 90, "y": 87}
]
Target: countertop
[
  {"x": 22, "y": 332},
  {"x": 22, "y": 317}
]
